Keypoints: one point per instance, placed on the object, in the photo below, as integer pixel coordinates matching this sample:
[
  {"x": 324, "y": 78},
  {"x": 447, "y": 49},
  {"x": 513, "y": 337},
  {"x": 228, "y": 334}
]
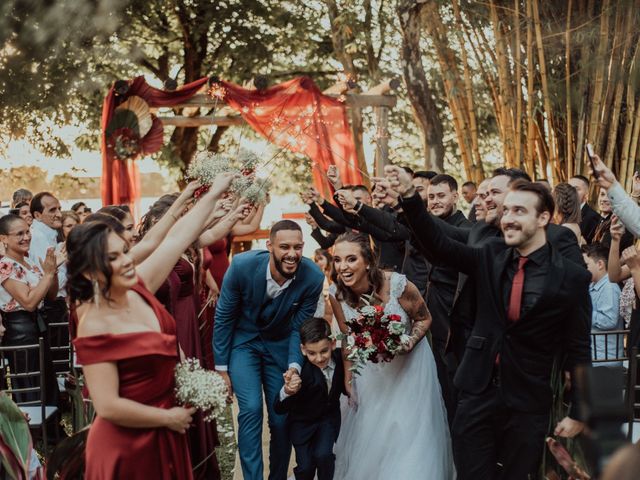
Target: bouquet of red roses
[{"x": 374, "y": 336}]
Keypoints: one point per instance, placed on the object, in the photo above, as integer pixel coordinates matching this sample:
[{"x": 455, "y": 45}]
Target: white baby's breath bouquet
[
  {"x": 203, "y": 389},
  {"x": 206, "y": 166}
]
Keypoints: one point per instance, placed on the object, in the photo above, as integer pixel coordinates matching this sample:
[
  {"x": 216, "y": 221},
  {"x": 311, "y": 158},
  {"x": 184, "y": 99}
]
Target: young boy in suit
[{"x": 312, "y": 402}]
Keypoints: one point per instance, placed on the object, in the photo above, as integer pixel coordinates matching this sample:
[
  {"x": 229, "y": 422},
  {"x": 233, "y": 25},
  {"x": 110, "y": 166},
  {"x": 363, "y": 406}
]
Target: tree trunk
[{"x": 418, "y": 89}]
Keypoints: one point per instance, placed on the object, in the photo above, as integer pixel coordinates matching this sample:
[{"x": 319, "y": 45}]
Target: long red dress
[
  {"x": 146, "y": 363},
  {"x": 203, "y": 437}
]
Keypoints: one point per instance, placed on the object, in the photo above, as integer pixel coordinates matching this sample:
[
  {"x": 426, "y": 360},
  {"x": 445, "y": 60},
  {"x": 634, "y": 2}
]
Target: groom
[{"x": 265, "y": 297}]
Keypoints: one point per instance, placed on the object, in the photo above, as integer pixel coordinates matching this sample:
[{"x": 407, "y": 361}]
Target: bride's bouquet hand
[
  {"x": 408, "y": 346},
  {"x": 350, "y": 390}
]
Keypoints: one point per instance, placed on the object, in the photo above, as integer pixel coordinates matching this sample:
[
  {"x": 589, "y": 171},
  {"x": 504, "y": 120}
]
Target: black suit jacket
[
  {"x": 313, "y": 404},
  {"x": 556, "y": 327},
  {"x": 589, "y": 222}
]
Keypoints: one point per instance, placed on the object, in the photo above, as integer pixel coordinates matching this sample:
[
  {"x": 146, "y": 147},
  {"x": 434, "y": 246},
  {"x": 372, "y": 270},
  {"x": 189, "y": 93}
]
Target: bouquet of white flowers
[
  {"x": 206, "y": 166},
  {"x": 200, "y": 388}
]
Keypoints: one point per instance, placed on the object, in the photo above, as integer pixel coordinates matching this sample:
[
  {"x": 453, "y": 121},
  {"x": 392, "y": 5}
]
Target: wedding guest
[
  {"x": 589, "y": 217},
  {"x": 543, "y": 301},
  {"x": 469, "y": 193},
  {"x": 422, "y": 180},
  {"x": 127, "y": 346},
  {"x": 22, "y": 210},
  {"x": 23, "y": 287},
  {"x": 311, "y": 401},
  {"x": 124, "y": 216},
  {"x": 47, "y": 216},
  {"x": 602, "y": 234},
  {"x": 567, "y": 211},
  {"x": 481, "y": 195},
  {"x": 19, "y": 196},
  {"x": 605, "y": 301},
  {"x": 81, "y": 209},
  {"x": 69, "y": 220}
]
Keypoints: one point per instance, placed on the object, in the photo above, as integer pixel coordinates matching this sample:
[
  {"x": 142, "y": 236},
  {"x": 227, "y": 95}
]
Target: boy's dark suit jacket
[{"x": 313, "y": 404}]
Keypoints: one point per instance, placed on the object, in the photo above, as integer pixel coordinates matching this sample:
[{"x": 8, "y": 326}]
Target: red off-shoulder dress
[{"x": 146, "y": 362}]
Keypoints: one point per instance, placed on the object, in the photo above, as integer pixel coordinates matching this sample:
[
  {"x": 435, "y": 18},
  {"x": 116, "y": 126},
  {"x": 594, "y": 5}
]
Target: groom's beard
[{"x": 285, "y": 274}]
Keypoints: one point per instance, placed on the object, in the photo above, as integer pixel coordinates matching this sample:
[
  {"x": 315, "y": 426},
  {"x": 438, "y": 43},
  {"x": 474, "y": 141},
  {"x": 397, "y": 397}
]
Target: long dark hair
[
  {"x": 87, "y": 254},
  {"x": 374, "y": 274}
]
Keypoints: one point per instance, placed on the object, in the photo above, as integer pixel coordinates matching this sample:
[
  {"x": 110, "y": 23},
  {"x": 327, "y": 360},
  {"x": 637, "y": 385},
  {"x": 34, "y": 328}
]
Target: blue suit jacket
[{"x": 242, "y": 295}]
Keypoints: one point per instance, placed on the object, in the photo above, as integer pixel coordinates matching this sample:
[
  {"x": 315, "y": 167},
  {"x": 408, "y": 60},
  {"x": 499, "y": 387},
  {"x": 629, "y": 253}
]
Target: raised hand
[
  {"x": 306, "y": 197},
  {"x": 399, "y": 180},
  {"x": 383, "y": 193},
  {"x": 616, "y": 229},
  {"x": 222, "y": 208},
  {"x": 606, "y": 178},
  {"x": 310, "y": 220},
  {"x": 347, "y": 200},
  {"x": 333, "y": 175},
  {"x": 49, "y": 264},
  {"x": 631, "y": 258},
  {"x": 222, "y": 183},
  {"x": 315, "y": 195},
  {"x": 243, "y": 209}
]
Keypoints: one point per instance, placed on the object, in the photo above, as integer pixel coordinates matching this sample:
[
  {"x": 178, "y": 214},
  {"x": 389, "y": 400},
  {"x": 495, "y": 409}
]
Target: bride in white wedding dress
[{"x": 397, "y": 428}]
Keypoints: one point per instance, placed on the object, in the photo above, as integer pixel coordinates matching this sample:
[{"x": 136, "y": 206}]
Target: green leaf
[{"x": 14, "y": 434}]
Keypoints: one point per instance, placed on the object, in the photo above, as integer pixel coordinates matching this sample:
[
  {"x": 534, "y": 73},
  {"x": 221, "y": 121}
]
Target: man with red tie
[{"x": 533, "y": 311}]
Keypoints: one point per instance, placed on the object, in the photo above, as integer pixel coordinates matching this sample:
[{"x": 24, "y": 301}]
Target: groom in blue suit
[{"x": 265, "y": 297}]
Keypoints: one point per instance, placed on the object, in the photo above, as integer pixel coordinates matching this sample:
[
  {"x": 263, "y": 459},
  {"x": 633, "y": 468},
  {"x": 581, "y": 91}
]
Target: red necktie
[{"x": 515, "y": 300}]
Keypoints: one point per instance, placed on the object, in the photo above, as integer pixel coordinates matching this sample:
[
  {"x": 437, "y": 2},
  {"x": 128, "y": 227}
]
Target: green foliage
[{"x": 14, "y": 434}]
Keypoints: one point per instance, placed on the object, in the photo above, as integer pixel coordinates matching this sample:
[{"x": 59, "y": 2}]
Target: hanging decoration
[{"x": 294, "y": 116}]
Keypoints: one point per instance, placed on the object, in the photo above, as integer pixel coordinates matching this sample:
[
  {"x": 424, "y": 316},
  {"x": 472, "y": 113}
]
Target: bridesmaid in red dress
[{"x": 127, "y": 345}]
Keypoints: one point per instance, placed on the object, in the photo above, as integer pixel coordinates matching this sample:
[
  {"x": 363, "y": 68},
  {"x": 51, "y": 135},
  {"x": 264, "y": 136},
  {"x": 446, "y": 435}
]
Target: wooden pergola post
[{"x": 382, "y": 140}]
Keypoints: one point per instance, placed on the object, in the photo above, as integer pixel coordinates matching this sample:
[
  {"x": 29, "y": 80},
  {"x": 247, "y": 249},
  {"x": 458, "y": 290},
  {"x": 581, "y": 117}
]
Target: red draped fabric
[
  {"x": 296, "y": 116},
  {"x": 120, "y": 179}
]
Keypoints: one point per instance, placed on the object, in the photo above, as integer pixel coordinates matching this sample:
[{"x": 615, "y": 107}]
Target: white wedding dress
[{"x": 399, "y": 428}]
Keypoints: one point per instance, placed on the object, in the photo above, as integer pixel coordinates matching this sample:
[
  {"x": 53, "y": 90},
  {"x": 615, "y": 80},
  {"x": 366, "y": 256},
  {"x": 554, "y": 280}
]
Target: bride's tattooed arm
[{"x": 413, "y": 303}]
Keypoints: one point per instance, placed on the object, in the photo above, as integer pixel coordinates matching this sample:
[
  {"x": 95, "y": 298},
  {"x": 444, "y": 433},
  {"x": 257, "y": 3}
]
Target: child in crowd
[
  {"x": 605, "y": 299},
  {"x": 312, "y": 402}
]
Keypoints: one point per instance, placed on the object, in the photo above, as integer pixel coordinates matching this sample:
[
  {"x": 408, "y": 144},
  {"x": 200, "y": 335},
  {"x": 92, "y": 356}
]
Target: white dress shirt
[
  {"x": 43, "y": 237},
  {"x": 273, "y": 288}
]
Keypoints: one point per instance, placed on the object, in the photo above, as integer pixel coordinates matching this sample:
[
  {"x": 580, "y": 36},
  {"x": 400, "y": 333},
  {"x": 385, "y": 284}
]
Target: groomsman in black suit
[
  {"x": 533, "y": 311},
  {"x": 312, "y": 402},
  {"x": 590, "y": 218}
]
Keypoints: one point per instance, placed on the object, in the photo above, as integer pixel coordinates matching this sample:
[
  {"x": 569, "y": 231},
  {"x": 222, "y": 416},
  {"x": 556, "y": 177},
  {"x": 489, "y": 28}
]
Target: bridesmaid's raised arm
[
  {"x": 145, "y": 247},
  {"x": 187, "y": 229}
]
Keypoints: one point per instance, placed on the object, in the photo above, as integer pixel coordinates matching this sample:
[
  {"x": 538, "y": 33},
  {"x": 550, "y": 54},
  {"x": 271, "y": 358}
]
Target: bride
[{"x": 395, "y": 425}]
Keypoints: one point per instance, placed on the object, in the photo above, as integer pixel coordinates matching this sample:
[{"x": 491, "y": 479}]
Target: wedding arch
[{"x": 294, "y": 115}]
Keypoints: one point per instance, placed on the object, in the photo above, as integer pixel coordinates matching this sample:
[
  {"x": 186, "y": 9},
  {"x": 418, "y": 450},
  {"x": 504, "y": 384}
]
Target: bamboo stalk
[
  {"x": 596, "y": 99},
  {"x": 505, "y": 88},
  {"x": 629, "y": 166},
  {"x": 611, "y": 81},
  {"x": 617, "y": 103},
  {"x": 530, "y": 95},
  {"x": 553, "y": 156},
  {"x": 468, "y": 86},
  {"x": 518, "y": 79},
  {"x": 567, "y": 72}
]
